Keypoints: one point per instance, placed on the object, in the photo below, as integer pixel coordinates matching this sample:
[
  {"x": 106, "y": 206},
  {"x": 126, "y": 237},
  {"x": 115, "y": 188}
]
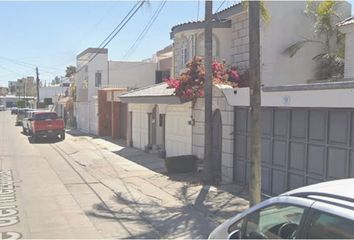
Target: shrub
[{"x": 181, "y": 164}]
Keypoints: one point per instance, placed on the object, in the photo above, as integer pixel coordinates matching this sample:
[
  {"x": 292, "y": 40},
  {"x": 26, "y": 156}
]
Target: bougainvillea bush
[{"x": 190, "y": 83}]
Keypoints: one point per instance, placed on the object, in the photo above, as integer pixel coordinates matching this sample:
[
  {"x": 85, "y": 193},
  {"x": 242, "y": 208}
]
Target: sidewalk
[{"x": 147, "y": 199}]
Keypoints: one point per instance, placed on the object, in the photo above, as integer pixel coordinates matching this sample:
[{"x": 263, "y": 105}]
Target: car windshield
[{"x": 45, "y": 116}]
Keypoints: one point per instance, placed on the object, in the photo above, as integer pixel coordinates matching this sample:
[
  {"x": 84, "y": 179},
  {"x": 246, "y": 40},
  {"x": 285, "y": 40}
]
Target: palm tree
[{"x": 331, "y": 59}]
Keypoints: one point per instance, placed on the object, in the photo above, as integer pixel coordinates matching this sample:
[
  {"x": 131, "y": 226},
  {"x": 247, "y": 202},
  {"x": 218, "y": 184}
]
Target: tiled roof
[
  {"x": 346, "y": 22},
  {"x": 156, "y": 90},
  {"x": 220, "y": 15}
]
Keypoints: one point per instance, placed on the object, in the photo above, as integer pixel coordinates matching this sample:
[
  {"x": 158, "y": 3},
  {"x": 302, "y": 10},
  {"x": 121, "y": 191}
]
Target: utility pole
[
  {"x": 255, "y": 102},
  {"x": 208, "y": 89},
  {"x": 37, "y": 84}
]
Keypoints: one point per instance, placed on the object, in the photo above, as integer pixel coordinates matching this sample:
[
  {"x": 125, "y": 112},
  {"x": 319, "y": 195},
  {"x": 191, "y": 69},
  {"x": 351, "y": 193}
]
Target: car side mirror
[{"x": 235, "y": 234}]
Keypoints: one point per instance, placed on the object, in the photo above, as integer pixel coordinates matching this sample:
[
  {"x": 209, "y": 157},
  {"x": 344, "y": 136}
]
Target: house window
[
  {"x": 98, "y": 79},
  {"x": 184, "y": 56},
  {"x": 192, "y": 40},
  {"x": 201, "y": 44}
]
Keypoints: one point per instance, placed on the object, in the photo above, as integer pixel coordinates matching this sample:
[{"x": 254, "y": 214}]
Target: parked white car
[
  {"x": 324, "y": 210},
  {"x": 2, "y": 108}
]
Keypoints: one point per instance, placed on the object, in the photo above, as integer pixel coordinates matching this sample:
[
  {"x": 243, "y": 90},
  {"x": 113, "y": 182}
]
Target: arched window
[
  {"x": 184, "y": 51},
  {"x": 200, "y": 46}
]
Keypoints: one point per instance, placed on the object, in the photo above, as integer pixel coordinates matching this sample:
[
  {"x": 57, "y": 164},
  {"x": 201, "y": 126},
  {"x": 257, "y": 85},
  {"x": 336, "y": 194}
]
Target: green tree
[
  {"x": 56, "y": 80},
  {"x": 330, "y": 62},
  {"x": 21, "y": 104},
  {"x": 70, "y": 71}
]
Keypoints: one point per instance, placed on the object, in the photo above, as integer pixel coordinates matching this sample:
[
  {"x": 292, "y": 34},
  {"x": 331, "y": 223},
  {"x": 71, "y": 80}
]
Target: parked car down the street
[
  {"x": 14, "y": 110},
  {"x": 319, "y": 211},
  {"x": 21, "y": 112},
  {"x": 2, "y": 108},
  {"x": 46, "y": 124},
  {"x": 26, "y": 121}
]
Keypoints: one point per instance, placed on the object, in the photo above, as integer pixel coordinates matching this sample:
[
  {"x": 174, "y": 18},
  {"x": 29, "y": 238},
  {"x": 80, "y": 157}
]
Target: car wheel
[{"x": 62, "y": 135}]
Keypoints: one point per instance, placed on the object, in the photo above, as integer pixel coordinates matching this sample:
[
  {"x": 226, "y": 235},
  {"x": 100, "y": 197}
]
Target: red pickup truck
[{"x": 46, "y": 124}]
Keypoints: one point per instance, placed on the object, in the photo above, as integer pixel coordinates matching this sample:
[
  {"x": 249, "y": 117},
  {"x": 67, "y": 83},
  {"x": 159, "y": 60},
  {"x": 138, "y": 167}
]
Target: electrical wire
[
  {"x": 25, "y": 64},
  {"x": 115, "y": 29},
  {"x": 114, "y": 33},
  {"x": 11, "y": 71},
  {"x": 216, "y": 12},
  {"x": 146, "y": 29}
]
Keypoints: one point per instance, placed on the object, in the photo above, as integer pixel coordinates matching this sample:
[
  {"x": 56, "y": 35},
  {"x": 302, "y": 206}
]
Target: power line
[
  {"x": 24, "y": 64},
  {"x": 223, "y": 2},
  {"x": 11, "y": 71},
  {"x": 116, "y": 30},
  {"x": 143, "y": 33}
]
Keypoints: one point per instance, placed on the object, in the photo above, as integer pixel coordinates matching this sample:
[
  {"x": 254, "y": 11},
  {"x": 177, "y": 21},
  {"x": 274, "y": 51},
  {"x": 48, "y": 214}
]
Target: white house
[
  {"x": 307, "y": 129},
  {"x": 288, "y": 24},
  {"x": 94, "y": 72},
  {"x": 159, "y": 121},
  {"x": 347, "y": 27},
  {"x": 51, "y": 91}
]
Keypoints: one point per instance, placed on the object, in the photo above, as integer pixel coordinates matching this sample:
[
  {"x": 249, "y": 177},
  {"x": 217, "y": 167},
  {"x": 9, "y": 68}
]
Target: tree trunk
[
  {"x": 208, "y": 87},
  {"x": 255, "y": 102}
]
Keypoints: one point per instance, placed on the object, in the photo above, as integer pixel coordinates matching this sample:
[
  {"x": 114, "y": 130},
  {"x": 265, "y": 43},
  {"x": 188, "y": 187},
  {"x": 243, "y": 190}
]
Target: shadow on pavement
[
  {"x": 195, "y": 216},
  {"x": 43, "y": 140}
]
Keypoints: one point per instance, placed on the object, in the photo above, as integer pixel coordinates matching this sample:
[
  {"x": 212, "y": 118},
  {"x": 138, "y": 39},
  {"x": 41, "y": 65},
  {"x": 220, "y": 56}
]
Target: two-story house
[
  {"x": 294, "y": 151},
  {"x": 96, "y": 72}
]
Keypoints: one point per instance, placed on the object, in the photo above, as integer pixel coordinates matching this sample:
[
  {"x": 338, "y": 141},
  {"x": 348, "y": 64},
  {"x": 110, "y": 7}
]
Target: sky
[{"x": 50, "y": 34}]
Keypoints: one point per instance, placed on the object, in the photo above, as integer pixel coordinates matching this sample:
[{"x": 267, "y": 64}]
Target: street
[{"x": 86, "y": 187}]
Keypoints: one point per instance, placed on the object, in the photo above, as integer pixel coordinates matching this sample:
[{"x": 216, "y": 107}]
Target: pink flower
[
  {"x": 234, "y": 76},
  {"x": 215, "y": 66},
  {"x": 173, "y": 83}
]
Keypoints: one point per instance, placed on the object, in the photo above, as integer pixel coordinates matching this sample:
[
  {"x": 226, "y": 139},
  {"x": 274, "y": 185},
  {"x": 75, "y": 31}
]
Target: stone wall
[
  {"x": 240, "y": 41},
  {"x": 227, "y": 115}
]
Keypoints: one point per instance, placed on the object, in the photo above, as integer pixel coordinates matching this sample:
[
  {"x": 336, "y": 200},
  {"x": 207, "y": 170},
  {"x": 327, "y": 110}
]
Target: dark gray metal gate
[{"x": 299, "y": 146}]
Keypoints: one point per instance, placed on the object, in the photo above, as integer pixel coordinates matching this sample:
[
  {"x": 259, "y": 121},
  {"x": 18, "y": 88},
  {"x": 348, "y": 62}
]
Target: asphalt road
[
  {"x": 37, "y": 188},
  {"x": 87, "y": 187}
]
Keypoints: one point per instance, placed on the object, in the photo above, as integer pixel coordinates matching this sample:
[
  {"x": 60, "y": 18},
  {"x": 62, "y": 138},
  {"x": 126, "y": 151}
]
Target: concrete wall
[
  {"x": 178, "y": 131},
  {"x": 93, "y": 117},
  {"x": 86, "y": 116},
  {"x": 288, "y": 24},
  {"x": 349, "y": 54},
  {"x": 219, "y": 102},
  {"x": 131, "y": 74},
  {"x": 82, "y": 116},
  {"x": 139, "y": 125},
  {"x": 334, "y": 98},
  {"x": 49, "y": 92}
]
